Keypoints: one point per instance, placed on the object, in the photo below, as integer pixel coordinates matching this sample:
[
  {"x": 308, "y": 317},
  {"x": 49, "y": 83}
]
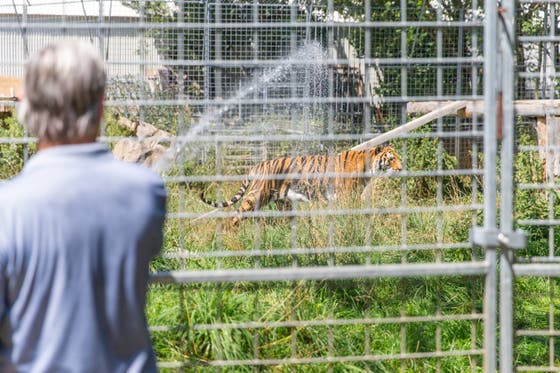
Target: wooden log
[
  {"x": 548, "y": 134},
  {"x": 447, "y": 109},
  {"x": 539, "y": 108},
  {"x": 530, "y": 108}
]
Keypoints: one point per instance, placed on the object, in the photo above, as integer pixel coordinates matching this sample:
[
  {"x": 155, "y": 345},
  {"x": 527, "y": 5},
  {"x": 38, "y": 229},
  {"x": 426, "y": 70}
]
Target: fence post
[
  {"x": 206, "y": 55},
  {"x": 490, "y": 150},
  {"x": 507, "y": 14},
  {"x": 367, "y": 81}
]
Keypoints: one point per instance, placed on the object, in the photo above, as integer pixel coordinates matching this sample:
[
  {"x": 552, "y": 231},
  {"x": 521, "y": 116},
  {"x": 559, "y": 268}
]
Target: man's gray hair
[{"x": 63, "y": 87}]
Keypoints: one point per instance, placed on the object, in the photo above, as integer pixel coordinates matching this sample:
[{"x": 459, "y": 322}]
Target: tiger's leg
[
  {"x": 331, "y": 196},
  {"x": 294, "y": 196},
  {"x": 251, "y": 202},
  {"x": 283, "y": 204}
]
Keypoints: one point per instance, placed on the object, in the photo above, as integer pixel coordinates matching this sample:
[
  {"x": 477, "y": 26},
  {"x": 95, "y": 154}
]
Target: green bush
[
  {"x": 422, "y": 155},
  {"x": 13, "y": 151}
]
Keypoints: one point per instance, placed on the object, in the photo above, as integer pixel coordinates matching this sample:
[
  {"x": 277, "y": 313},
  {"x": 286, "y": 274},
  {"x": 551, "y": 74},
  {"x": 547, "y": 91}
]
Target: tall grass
[
  {"x": 210, "y": 323},
  {"x": 316, "y": 319}
]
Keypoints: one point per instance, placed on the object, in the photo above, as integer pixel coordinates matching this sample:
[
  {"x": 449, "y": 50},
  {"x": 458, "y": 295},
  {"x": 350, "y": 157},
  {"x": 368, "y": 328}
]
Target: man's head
[{"x": 63, "y": 87}]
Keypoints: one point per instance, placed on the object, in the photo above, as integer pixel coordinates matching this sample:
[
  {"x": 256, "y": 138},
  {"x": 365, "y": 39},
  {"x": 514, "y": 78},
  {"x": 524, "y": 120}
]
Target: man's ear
[
  {"x": 101, "y": 105},
  {"x": 19, "y": 94},
  {"x": 100, "y": 109}
]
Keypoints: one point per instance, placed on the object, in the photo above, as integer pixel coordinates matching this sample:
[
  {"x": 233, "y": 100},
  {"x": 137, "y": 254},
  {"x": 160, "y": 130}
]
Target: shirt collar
[{"x": 67, "y": 153}]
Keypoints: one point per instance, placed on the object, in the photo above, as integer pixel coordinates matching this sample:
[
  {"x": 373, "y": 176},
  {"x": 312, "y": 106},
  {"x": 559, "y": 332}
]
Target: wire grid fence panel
[
  {"x": 536, "y": 346},
  {"x": 381, "y": 280}
]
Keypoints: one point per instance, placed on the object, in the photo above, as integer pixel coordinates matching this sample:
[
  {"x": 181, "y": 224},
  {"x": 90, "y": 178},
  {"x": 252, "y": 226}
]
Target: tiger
[{"x": 304, "y": 178}]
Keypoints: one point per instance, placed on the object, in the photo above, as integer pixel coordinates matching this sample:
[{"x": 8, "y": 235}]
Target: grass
[
  {"x": 316, "y": 319},
  {"x": 295, "y": 320}
]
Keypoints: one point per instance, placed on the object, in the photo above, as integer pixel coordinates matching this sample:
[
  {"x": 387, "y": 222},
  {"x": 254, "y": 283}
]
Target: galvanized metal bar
[
  {"x": 552, "y": 196},
  {"x": 537, "y": 333},
  {"x": 324, "y": 212},
  {"x": 323, "y": 273},
  {"x": 271, "y": 101},
  {"x": 403, "y": 175},
  {"x": 490, "y": 150},
  {"x": 474, "y": 182},
  {"x": 181, "y": 125},
  {"x": 244, "y": 25},
  {"x": 537, "y": 269},
  {"x": 217, "y": 70},
  {"x": 250, "y": 62},
  {"x": 341, "y": 137},
  {"x": 322, "y": 360},
  {"x": 330, "y": 322},
  {"x": 214, "y": 76},
  {"x": 507, "y": 14},
  {"x": 534, "y": 368},
  {"x": 534, "y": 75},
  {"x": 177, "y": 253},
  {"x": 539, "y": 39},
  {"x": 367, "y": 69},
  {"x": 539, "y": 1},
  {"x": 330, "y": 108},
  {"x": 536, "y": 222},
  {"x": 306, "y": 117},
  {"x": 206, "y": 47}
]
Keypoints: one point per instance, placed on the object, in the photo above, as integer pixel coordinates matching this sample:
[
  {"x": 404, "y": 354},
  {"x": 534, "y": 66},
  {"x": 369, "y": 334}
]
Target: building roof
[{"x": 70, "y": 8}]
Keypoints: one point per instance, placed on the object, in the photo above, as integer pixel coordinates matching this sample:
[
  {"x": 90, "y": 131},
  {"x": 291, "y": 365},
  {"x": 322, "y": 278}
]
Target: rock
[
  {"x": 146, "y": 152},
  {"x": 147, "y": 149}
]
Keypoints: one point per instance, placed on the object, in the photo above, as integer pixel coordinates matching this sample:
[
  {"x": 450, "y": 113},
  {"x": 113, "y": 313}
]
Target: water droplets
[{"x": 307, "y": 62}]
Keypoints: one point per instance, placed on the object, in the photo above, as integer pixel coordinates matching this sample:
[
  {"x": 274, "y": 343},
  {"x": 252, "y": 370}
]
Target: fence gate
[{"x": 530, "y": 267}]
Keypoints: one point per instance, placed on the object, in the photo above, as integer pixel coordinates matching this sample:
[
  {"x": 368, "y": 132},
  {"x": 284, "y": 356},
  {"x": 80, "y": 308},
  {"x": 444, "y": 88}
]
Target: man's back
[{"x": 77, "y": 231}]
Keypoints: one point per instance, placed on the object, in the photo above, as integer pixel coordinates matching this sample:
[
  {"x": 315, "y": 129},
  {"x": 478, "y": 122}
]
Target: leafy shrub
[
  {"x": 422, "y": 155},
  {"x": 13, "y": 152}
]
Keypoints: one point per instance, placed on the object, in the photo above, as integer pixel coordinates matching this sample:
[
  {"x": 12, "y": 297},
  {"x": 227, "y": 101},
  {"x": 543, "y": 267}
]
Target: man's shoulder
[
  {"x": 12, "y": 191},
  {"x": 135, "y": 172},
  {"x": 29, "y": 188}
]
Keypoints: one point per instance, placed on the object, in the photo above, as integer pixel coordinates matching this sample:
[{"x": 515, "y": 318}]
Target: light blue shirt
[{"x": 77, "y": 231}]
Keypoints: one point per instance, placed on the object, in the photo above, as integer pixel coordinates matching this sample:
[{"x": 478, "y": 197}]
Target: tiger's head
[{"x": 384, "y": 160}]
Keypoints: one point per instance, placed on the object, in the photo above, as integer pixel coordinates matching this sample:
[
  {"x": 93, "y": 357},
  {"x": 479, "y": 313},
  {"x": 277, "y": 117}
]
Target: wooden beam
[
  {"x": 10, "y": 90},
  {"x": 528, "y": 108},
  {"x": 10, "y": 87},
  {"x": 449, "y": 108},
  {"x": 537, "y": 108}
]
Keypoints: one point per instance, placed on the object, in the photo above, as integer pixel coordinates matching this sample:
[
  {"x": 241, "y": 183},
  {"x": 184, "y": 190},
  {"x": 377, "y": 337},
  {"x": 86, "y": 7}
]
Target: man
[{"x": 77, "y": 231}]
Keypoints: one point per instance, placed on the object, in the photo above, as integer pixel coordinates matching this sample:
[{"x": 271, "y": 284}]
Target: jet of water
[{"x": 311, "y": 55}]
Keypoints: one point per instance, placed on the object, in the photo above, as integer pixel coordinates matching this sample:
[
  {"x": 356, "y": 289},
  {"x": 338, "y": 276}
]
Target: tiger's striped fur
[{"x": 304, "y": 178}]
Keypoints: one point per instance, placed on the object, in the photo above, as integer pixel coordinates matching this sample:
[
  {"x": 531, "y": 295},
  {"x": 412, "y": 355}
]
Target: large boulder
[
  {"x": 146, "y": 152},
  {"x": 146, "y": 149}
]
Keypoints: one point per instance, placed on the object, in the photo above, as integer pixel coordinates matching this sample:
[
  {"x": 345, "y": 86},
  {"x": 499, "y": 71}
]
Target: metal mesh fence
[
  {"x": 536, "y": 266},
  {"x": 384, "y": 277}
]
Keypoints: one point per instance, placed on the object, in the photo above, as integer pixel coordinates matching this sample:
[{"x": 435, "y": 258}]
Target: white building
[{"x": 127, "y": 51}]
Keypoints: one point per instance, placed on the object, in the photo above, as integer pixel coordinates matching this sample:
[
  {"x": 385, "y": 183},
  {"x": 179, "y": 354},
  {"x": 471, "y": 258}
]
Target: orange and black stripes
[
  {"x": 303, "y": 177},
  {"x": 232, "y": 201}
]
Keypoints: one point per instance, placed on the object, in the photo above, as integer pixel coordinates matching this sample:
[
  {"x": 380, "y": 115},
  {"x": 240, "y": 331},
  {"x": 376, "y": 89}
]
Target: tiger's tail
[{"x": 240, "y": 193}]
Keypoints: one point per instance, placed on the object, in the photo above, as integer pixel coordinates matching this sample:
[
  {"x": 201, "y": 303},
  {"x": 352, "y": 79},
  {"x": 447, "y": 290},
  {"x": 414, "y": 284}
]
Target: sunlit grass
[{"x": 368, "y": 238}]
